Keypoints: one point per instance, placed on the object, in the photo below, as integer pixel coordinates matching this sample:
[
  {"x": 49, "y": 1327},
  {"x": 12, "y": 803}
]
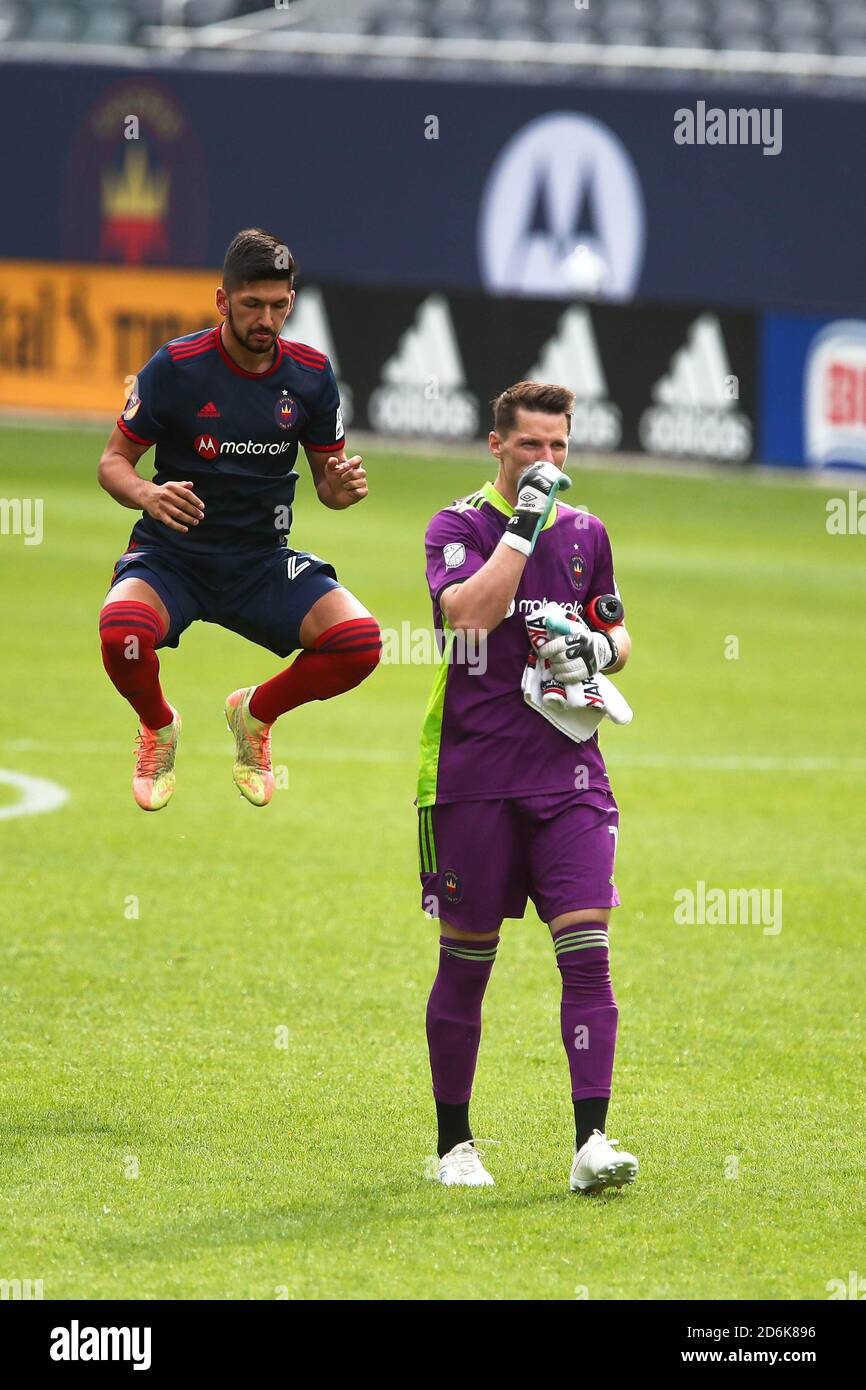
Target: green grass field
[{"x": 157, "y": 1142}]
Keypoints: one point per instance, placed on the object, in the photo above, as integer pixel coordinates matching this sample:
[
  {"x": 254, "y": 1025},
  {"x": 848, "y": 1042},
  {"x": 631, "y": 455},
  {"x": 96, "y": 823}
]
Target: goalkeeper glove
[
  {"x": 537, "y": 487},
  {"x": 577, "y": 653}
]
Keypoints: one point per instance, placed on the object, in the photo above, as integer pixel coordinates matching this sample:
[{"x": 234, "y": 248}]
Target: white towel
[{"x": 576, "y": 710}]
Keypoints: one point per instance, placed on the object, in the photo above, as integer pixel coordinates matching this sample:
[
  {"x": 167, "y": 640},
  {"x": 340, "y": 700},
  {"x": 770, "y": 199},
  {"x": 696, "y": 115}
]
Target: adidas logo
[
  {"x": 423, "y": 387},
  {"x": 696, "y": 401},
  {"x": 309, "y": 324},
  {"x": 571, "y": 356},
  {"x": 210, "y": 410}
]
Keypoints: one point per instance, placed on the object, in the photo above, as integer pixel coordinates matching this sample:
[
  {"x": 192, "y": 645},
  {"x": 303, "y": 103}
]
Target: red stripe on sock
[{"x": 323, "y": 671}]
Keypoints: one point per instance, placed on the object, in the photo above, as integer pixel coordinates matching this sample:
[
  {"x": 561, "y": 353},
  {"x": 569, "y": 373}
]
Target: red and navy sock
[
  {"x": 340, "y": 659},
  {"x": 454, "y": 1031},
  {"x": 129, "y": 632}
]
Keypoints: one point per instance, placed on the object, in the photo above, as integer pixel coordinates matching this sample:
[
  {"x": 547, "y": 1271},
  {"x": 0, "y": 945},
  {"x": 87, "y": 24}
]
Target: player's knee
[
  {"x": 358, "y": 645},
  {"x": 128, "y": 631},
  {"x": 586, "y": 976}
]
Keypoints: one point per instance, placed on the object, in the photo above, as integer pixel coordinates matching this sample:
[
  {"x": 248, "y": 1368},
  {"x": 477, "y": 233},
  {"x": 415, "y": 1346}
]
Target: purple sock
[
  {"x": 589, "y": 1014},
  {"x": 454, "y": 1015}
]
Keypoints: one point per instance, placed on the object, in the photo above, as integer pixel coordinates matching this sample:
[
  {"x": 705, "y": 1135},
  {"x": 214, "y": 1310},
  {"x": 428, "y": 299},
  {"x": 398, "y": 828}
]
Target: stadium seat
[
  {"x": 684, "y": 38},
  {"x": 802, "y": 43},
  {"x": 453, "y": 11},
  {"x": 459, "y": 28},
  {"x": 798, "y": 17},
  {"x": 54, "y": 24},
  {"x": 684, "y": 14},
  {"x": 848, "y": 24},
  {"x": 402, "y": 27},
  {"x": 517, "y": 30},
  {"x": 751, "y": 42},
  {"x": 397, "y": 9},
  {"x": 565, "y": 30},
  {"x": 512, "y": 11},
  {"x": 10, "y": 19},
  {"x": 741, "y": 16},
  {"x": 620, "y": 13},
  {"x": 626, "y": 34},
  {"x": 199, "y": 12},
  {"x": 110, "y": 26}
]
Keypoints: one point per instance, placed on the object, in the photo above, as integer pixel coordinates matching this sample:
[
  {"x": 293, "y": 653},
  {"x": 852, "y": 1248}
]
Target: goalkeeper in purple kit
[{"x": 509, "y": 807}]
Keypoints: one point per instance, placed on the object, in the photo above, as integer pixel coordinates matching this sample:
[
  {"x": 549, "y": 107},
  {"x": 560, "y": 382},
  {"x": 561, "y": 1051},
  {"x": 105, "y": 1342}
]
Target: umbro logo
[{"x": 210, "y": 410}]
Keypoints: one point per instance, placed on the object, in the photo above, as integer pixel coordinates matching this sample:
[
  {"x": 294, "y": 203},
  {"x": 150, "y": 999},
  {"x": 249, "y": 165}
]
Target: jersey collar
[
  {"x": 256, "y": 376},
  {"x": 496, "y": 500}
]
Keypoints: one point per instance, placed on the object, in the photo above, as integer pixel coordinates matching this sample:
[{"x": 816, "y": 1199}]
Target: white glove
[{"x": 577, "y": 654}]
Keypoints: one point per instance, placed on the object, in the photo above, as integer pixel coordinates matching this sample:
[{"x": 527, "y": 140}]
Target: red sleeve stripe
[
  {"x": 307, "y": 356},
  {"x": 323, "y": 448},
  {"x": 191, "y": 340},
  {"x": 192, "y": 349},
  {"x": 130, "y": 434}
]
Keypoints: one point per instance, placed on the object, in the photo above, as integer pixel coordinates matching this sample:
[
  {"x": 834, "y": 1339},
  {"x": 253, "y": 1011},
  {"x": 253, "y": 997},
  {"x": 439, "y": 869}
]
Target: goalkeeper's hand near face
[
  {"x": 575, "y": 653},
  {"x": 537, "y": 487}
]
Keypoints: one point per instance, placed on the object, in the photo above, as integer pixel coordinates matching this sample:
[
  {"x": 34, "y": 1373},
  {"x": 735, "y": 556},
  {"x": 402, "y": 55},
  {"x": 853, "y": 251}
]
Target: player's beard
[{"x": 249, "y": 342}]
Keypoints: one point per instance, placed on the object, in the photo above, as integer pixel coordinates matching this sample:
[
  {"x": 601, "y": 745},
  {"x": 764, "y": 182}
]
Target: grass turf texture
[{"x": 149, "y": 1045}]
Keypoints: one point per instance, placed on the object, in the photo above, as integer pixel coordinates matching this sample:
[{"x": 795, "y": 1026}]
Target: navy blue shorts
[{"x": 262, "y": 594}]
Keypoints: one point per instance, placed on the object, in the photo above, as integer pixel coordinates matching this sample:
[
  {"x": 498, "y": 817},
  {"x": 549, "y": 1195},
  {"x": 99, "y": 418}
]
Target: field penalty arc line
[{"x": 37, "y": 795}]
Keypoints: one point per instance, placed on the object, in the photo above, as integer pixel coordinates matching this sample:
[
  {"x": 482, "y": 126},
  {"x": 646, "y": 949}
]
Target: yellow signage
[{"x": 73, "y": 337}]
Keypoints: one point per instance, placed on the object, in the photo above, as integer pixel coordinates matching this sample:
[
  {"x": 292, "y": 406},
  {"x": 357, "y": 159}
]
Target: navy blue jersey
[{"x": 233, "y": 434}]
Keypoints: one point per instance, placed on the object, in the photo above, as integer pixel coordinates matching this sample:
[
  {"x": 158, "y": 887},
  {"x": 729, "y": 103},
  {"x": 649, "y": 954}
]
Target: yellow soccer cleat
[
  {"x": 253, "y": 774},
  {"x": 153, "y": 779}
]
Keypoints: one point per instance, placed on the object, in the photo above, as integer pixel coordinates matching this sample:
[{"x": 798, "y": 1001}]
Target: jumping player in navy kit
[{"x": 227, "y": 408}]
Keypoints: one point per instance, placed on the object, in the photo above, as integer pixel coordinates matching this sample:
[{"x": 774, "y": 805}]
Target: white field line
[
  {"x": 37, "y": 795},
  {"x": 692, "y": 762}
]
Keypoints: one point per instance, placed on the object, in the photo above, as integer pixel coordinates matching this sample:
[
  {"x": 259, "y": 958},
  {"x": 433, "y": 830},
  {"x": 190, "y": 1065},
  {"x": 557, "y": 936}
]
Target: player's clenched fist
[
  {"x": 577, "y": 653},
  {"x": 537, "y": 487},
  {"x": 175, "y": 505},
  {"x": 347, "y": 480}
]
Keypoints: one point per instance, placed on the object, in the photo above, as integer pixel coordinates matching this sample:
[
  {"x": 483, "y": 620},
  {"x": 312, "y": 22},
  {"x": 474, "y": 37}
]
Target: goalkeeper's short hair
[{"x": 530, "y": 395}]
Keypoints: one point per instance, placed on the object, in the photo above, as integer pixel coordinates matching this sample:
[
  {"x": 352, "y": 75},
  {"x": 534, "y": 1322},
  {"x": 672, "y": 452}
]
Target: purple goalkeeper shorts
[{"x": 481, "y": 860}]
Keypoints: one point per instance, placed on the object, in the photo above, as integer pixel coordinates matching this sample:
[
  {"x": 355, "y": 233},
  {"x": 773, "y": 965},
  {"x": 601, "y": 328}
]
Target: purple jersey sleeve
[
  {"x": 453, "y": 553},
  {"x": 324, "y": 432},
  {"x": 143, "y": 417}
]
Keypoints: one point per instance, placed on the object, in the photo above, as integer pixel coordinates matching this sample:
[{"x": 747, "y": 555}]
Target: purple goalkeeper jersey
[{"x": 480, "y": 740}]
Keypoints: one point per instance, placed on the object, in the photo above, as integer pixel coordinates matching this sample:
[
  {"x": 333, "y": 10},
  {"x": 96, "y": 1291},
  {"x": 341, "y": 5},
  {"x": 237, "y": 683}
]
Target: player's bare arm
[
  {"x": 339, "y": 482},
  {"x": 173, "y": 503},
  {"x": 623, "y": 645}
]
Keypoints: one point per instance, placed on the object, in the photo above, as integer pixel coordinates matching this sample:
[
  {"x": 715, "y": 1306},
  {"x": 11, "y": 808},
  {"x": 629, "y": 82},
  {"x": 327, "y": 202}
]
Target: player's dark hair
[
  {"x": 530, "y": 395},
  {"x": 256, "y": 255}
]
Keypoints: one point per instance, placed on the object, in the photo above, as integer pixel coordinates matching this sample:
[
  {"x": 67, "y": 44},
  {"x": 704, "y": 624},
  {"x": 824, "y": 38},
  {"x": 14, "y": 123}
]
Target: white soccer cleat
[
  {"x": 462, "y": 1167},
  {"x": 598, "y": 1165}
]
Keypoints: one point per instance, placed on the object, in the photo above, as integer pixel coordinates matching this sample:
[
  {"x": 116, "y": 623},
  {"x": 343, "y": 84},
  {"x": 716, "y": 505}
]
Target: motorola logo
[{"x": 562, "y": 213}]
